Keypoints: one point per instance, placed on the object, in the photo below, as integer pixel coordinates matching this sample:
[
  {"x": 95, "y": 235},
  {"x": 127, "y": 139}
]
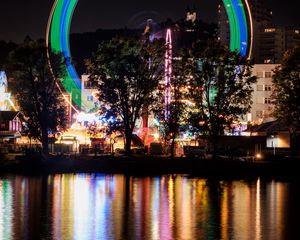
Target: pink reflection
[{"x": 122, "y": 207}]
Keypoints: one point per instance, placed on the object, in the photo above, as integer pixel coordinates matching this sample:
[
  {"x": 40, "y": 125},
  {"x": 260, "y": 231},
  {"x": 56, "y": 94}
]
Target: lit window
[
  {"x": 268, "y": 74},
  {"x": 268, "y": 100},
  {"x": 268, "y": 60},
  {"x": 269, "y": 30},
  {"x": 268, "y": 88},
  {"x": 90, "y": 98}
]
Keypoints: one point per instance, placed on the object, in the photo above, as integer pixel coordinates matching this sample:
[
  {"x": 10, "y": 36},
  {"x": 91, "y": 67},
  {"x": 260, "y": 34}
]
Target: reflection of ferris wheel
[{"x": 57, "y": 37}]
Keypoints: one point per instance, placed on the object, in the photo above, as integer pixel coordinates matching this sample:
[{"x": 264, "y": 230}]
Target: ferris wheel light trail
[
  {"x": 251, "y": 29},
  {"x": 239, "y": 32},
  {"x": 57, "y": 38},
  {"x": 58, "y": 29}
]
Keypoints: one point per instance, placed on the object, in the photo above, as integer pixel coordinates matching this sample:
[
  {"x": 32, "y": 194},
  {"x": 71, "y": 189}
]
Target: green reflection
[
  {"x": 5, "y": 210},
  {"x": 79, "y": 206}
]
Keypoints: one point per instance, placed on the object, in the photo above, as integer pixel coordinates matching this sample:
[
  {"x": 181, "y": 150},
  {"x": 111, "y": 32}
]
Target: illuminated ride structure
[
  {"x": 57, "y": 39},
  {"x": 5, "y": 97},
  {"x": 58, "y": 29},
  {"x": 241, "y": 26},
  {"x": 168, "y": 72}
]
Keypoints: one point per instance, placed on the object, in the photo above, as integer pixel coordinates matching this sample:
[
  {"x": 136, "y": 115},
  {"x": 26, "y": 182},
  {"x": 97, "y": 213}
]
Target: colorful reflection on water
[{"x": 168, "y": 207}]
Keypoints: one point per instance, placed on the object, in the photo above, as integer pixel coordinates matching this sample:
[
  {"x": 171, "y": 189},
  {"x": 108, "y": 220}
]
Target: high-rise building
[
  {"x": 273, "y": 42},
  {"x": 270, "y": 42},
  {"x": 262, "y": 106},
  {"x": 260, "y": 12}
]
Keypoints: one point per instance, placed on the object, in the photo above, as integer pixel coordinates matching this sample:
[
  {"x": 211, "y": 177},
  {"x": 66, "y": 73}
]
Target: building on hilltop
[{"x": 191, "y": 15}]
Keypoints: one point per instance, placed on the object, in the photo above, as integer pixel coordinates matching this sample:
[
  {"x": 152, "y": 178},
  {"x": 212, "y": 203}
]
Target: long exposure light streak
[
  {"x": 57, "y": 38},
  {"x": 69, "y": 102},
  {"x": 168, "y": 72},
  {"x": 239, "y": 31},
  {"x": 251, "y": 29}
]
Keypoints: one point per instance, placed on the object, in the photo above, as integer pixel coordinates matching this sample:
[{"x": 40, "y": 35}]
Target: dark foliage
[
  {"x": 221, "y": 88},
  {"x": 33, "y": 84},
  {"x": 127, "y": 72},
  {"x": 286, "y": 80}
]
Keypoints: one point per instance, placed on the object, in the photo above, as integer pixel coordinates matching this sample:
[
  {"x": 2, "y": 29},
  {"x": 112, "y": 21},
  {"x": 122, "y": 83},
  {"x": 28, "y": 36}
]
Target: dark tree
[
  {"x": 5, "y": 49},
  {"x": 33, "y": 84},
  {"x": 220, "y": 83},
  {"x": 127, "y": 72},
  {"x": 286, "y": 80}
]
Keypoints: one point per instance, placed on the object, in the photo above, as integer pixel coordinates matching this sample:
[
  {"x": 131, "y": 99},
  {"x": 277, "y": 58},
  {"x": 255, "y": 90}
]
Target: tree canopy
[
  {"x": 220, "y": 85},
  {"x": 33, "y": 84},
  {"x": 5, "y": 48},
  {"x": 286, "y": 80},
  {"x": 127, "y": 72}
]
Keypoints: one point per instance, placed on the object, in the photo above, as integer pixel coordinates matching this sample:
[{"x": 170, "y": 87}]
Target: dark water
[{"x": 168, "y": 207}]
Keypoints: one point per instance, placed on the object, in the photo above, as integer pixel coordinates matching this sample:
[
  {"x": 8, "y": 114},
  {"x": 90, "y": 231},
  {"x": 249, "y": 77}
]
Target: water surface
[{"x": 168, "y": 207}]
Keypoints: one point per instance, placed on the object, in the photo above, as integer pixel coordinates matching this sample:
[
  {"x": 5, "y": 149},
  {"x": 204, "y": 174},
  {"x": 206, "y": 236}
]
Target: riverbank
[{"x": 152, "y": 165}]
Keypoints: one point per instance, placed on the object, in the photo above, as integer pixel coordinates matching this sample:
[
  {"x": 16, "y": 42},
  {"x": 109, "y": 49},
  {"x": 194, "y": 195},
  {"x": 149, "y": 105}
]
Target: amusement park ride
[
  {"x": 58, "y": 28},
  {"x": 5, "y": 97},
  {"x": 57, "y": 39}
]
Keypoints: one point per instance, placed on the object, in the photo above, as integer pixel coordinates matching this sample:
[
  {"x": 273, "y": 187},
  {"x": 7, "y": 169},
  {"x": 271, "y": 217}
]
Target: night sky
[{"x": 19, "y": 18}]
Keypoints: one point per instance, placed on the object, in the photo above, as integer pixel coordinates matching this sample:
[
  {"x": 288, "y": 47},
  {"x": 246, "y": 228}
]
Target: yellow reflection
[
  {"x": 257, "y": 212},
  {"x": 81, "y": 207},
  {"x": 278, "y": 200},
  {"x": 171, "y": 204},
  {"x": 241, "y": 210},
  {"x": 86, "y": 207},
  {"x": 224, "y": 214},
  {"x": 122, "y": 207}
]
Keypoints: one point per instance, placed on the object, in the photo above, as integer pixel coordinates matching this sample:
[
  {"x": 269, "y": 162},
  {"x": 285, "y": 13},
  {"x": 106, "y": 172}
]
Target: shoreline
[{"x": 146, "y": 165}]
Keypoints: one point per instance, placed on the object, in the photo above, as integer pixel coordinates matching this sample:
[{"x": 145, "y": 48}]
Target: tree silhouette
[
  {"x": 220, "y": 83},
  {"x": 34, "y": 87},
  {"x": 286, "y": 80},
  {"x": 127, "y": 72}
]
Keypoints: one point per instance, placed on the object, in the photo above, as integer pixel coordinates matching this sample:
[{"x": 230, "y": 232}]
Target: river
[{"x": 91, "y": 206}]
